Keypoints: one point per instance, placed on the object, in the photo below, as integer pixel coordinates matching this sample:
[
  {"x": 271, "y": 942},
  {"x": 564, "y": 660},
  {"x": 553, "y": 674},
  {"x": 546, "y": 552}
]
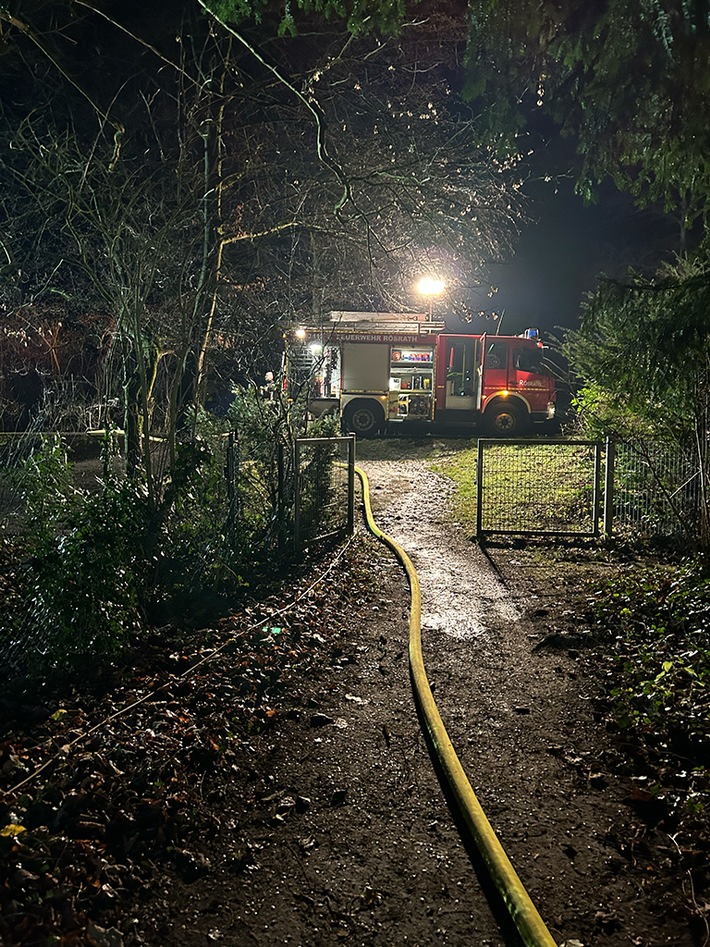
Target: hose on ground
[{"x": 523, "y": 912}]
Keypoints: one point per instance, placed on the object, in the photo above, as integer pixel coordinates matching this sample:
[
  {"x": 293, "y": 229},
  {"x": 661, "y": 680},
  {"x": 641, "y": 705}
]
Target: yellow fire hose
[{"x": 523, "y": 912}]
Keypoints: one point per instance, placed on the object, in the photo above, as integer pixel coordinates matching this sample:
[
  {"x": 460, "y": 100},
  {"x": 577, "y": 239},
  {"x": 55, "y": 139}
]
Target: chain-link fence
[
  {"x": 263, "y": 490},
  {"x": 89, "y": 457},
  {"x": 12, "y": 454},
  {"x": 85, "y": 552}
]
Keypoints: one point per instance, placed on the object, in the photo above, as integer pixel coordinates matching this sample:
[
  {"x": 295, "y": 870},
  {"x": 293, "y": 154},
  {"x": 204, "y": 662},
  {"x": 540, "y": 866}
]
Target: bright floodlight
[
  {"x": 429, "y": 286},
  {"x": 300, "y": 333}
]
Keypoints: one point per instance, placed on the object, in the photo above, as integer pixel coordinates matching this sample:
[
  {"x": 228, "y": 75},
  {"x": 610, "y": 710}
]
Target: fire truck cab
[{"x": 379, "y": 370}]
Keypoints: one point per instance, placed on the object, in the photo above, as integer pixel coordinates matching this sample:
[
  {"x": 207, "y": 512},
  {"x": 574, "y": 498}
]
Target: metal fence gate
[
  {"x": 325, "y": 488},
  {"x": 581, "y": 488},
  {"x": 538, "y": 486}
]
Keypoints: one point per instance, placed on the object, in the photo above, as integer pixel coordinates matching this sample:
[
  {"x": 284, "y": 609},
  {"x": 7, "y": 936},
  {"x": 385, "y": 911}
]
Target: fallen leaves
[{"x": 118, "y": 796}]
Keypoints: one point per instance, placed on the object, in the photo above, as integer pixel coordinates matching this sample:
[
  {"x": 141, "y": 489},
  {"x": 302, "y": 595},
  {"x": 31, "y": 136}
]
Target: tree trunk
[{"x": 132, "y": 412}]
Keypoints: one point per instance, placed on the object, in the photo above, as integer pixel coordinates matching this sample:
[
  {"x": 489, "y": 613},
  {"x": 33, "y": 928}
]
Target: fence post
[
  {"x": 609, "y": 486},
  {"x": 297, "y": 493},
  {"x": 230, "y": 467},
  {"x": 596, "y": 486},
  {"x": 351, "y": 484},
  {"x": 231, "y": 471},
  {"x": 479, "y": 490}
]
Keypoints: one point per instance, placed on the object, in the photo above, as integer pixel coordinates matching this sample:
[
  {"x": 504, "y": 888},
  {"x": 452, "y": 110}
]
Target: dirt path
[{"x": 345, "y": 833}]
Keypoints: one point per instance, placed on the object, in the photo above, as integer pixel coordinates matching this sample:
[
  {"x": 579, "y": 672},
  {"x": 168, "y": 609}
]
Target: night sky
[{"x": 568, "y": 244}]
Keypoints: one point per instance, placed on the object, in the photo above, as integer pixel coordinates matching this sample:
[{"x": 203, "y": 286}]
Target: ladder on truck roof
[{"x": 417, "y": 323}]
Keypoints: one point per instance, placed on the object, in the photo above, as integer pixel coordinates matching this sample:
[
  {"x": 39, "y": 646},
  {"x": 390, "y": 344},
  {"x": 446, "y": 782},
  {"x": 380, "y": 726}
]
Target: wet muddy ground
[
  {"x": 350, "y": 836},
  {"x": 324, "y": 822},
  {"x": 501, "y": 636}
]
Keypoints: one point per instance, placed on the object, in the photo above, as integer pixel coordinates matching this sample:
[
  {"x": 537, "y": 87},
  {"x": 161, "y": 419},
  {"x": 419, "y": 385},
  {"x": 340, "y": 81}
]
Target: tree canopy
[
  {"x": 210, "y": 178},
  {"x": 629, "y": 79},
  {"x": 359, "y": 16},
  {"x": 645, "y": 346}
]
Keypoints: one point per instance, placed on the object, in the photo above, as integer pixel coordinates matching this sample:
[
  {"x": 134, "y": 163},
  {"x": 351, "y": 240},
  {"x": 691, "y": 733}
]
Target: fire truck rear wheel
[
  {"x": 363, "y": 418},
  {"x": 504, "y": 419}
]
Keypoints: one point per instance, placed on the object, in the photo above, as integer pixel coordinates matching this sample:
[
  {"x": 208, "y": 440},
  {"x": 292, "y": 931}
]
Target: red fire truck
[{"x": 378, "y": 370}]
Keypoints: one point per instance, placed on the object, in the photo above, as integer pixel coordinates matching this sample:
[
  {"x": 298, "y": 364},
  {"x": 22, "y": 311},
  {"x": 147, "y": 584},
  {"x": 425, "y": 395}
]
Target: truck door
[
  {"x": 494, "y": 364},
  {"x": 463, "y": 380}
]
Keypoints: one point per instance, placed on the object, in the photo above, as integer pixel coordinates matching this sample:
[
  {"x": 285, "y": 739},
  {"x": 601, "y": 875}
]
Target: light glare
[{"x": 430, "y": 286}]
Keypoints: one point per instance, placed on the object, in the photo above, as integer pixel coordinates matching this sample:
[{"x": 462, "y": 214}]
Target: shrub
[
  {"x": 78, "y": 592},
  {"x": 657, "y": 623}
]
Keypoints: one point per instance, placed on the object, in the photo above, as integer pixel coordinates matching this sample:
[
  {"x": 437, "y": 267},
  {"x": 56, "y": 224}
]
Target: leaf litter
[{"x": 97, "y": 799}]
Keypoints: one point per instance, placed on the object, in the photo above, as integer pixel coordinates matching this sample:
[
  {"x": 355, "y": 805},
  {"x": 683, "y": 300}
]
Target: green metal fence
[
  {"x": 265, "y": 490},
  {"x": 656, "y": 489}
]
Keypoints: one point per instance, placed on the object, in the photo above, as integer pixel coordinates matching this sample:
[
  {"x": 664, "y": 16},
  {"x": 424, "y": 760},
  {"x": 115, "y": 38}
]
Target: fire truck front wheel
[
  {"x": 505, "y": 419},
  {"x": 364, "y": 418}
]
